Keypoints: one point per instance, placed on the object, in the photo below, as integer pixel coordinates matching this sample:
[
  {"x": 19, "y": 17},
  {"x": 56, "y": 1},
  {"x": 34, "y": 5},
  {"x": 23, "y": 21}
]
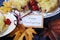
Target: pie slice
[
  {"x": 3, "y": 27},
  {"x": 47, "y": 5}
]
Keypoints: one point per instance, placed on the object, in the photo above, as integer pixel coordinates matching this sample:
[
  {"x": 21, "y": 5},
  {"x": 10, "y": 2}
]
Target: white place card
[{"x": 35, "y": 21}]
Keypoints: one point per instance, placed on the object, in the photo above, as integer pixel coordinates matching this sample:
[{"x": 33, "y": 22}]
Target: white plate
[
  {"x": 46, "y": 15},
  {"x": 11, "y": 27}
]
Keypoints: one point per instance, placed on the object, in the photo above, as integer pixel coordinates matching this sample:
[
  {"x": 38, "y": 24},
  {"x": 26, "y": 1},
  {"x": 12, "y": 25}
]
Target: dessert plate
[
  {"x": 12, "y": 26},
  {"x": 57, "y": 11},
  {"x": 47, "y": 15}
]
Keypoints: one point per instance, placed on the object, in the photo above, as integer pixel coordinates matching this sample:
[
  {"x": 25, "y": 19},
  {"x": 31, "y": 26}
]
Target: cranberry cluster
[
  {"x": 33, "y": 5},
  {"x": 7, "y": 21}
]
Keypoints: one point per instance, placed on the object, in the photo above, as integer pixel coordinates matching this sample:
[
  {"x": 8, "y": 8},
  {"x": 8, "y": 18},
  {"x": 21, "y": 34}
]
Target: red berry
[
  {"x": 32, "y": 2},
  {"x": 34, "y": 7},
  {"x": 7, "y": 21}
]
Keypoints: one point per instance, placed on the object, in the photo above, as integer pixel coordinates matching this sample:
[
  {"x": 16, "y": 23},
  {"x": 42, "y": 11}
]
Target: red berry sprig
[
  {"x": 33, "y": 5},
  {"x": 7, "y": 21}
]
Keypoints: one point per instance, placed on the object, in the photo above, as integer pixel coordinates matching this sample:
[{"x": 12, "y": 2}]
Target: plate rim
[
  {"x": 2, "y": 35},
  {"x": 57, "y": 11},
  {"x": 51, "y": 14}
]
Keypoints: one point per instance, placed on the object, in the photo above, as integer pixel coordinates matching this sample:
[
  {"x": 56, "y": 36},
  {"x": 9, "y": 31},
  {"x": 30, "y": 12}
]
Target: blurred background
[{"x": 38, "y": 30}]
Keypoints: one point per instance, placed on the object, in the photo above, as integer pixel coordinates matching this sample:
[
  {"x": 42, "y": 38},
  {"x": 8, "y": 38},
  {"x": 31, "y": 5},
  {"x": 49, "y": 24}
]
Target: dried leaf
[
  {"x": 17, "y": 35},
  {"x": 26, "y": 37},
  {"x": 21, "y": 37}
]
